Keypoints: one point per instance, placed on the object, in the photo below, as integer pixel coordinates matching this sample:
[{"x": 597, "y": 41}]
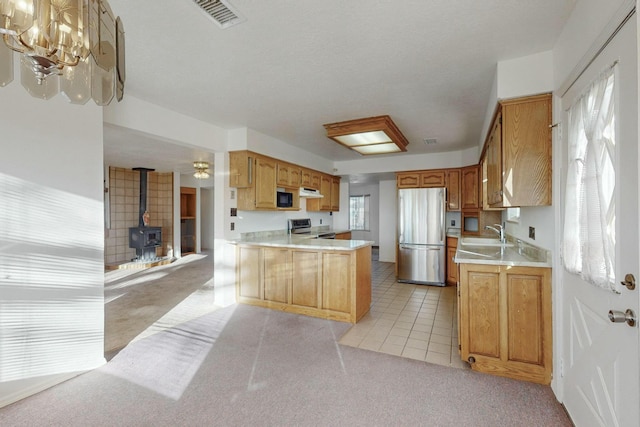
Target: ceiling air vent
[
  {"x": 430, "y": 141},
  {"x": 221, "y": 11}
]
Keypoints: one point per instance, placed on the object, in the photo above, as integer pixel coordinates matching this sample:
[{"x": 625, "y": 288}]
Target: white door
[{"x": 601, "y": 383}]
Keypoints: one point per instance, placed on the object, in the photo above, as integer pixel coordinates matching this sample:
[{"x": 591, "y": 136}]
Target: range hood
[{"x": 310, "y": 193}]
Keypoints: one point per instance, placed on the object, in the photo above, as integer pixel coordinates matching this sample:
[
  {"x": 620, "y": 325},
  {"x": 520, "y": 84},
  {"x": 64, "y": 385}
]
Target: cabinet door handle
[{"x": 250, "y": 161}]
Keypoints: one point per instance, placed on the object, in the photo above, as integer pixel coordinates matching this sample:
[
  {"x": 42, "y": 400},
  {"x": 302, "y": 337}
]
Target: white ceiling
[{"x": 294, "y": 65}]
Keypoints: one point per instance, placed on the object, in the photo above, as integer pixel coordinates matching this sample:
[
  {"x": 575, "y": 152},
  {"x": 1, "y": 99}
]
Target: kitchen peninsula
[{"x": 325, "y": 278}]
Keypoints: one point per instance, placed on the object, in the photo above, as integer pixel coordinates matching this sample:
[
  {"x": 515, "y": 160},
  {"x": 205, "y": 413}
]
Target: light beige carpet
[{"x": 136, "y": 299}]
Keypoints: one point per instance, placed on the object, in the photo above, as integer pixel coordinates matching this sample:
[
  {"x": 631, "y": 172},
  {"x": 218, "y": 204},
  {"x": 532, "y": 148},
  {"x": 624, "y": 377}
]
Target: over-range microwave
[{"x": 284, "y": 199}]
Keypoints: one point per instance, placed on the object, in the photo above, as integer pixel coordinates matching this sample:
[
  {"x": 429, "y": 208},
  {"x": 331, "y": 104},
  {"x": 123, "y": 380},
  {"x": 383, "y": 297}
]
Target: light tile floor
[{"x": 414, "y": 321}]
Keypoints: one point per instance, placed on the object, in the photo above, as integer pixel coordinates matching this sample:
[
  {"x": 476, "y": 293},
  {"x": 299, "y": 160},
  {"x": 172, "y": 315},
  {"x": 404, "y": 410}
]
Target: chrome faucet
[{"x": 498, "y": 229}]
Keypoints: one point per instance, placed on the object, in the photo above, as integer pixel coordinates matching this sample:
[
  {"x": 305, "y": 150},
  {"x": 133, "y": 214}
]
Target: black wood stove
[{"x": 144, "y": 239}]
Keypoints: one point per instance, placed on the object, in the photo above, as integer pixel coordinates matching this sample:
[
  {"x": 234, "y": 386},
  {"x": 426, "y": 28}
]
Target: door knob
[
  {"x": 619, "y": 317},
  {"x": 629, "y": 282}
]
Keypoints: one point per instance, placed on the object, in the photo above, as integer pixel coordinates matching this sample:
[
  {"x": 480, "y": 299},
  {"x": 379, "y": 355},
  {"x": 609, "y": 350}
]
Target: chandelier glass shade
[
  {"x": 202, "y": 171},
  {"x": 73, "y": 47}
]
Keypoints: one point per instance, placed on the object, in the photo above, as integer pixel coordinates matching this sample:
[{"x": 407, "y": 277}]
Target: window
[
  {"x": 588, "y": 244},
  {"x": 359, "y": 212}
]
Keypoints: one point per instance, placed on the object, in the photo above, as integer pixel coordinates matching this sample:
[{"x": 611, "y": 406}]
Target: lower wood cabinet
[
  {"x": 330, "y": 284},
  {"x": 452, "y": 267},
  {"x": 505, "y": 320},
  {"x": 344, "y": 236}
]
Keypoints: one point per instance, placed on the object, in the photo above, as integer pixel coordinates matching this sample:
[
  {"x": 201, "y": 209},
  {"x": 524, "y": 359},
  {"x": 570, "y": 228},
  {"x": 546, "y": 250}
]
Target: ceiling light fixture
[
  {"x": 371, "y": 135},
  {"x": 202, "y": 171},
  {"x": 71, "y": 46}
]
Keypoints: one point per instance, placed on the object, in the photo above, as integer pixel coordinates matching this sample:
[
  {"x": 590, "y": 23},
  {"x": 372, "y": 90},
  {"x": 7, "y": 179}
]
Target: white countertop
[
  {"x": 496, "y": 255},
  {"x": 305, "y": 242}
]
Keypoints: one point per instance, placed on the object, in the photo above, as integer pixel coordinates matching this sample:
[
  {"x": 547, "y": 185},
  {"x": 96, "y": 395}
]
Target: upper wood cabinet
[
  {"x": 240, "y": 169},
  {"x": 408, "y": 179},
  {"x": 518, "y": 153},
  {"x": 432, "y": 178},
  {"x": 265, "y": 194},
  {"x": 421, "y": 179},
  {"x": 335, "y": 193},
  {"x": 258, "y": 178},
  {"x": 324, "y": 203},
  {"x": 330, "y": 190},
  {"x": 470, "y": 191},
  {"x": 288, "y": 175},
  {"x": 453, "y": 189},
  {"x": 316, "y": 180}
]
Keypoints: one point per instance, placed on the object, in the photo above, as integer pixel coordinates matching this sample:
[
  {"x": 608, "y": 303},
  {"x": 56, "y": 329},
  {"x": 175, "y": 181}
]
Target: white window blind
[
  {"x": 588, "y": 247},
  {"x": 359, "y": 212}
]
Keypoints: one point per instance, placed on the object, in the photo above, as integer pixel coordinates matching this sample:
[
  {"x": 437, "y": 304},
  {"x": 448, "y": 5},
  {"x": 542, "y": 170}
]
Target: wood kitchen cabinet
[
  {"x": 330, "y": 284},
  {"x": 240, "y": 169},
  {"x": 330, "y": 190},
  {"x": 343, "y": 236},
  {"x": 335, "y": 194},
  {"x": 452, "y": 267},
  {"x": 518, "y": 153},
  {"x": 262, "y": 194},
  {"x": 453, "y": 190},
  {"x": 432, "y": 178},
  {"x": 421, "y": 179},
  {"x": 470, "y": 194},
  {"x": 288, "y": 175},
  {"x": 505, "y": 320},
  {"x": 408, "y": 179}
]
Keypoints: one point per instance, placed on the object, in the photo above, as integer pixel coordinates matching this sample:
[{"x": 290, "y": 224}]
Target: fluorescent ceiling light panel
[
  {"x": 371, "y": 135},
  {"x": 389, "y": 147},
  {"x": 366, "y": 138}
]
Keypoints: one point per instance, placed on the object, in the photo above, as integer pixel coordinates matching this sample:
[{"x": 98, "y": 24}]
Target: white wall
[
  {"x": 249, "y": 139},
  {"x": 451, "y": 159},
  {"x": 374, "y": 207},
  {"x": 388, "y": 220},
  {"x": 51, "y": 241},
  {"x": 142, "y": 116},
  {"x": 207, "y": 212}
]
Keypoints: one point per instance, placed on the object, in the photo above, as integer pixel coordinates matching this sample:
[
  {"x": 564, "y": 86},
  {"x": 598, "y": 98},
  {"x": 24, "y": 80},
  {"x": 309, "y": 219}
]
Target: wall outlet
[
  {"x": 233, "y": 226},
  {"x": 453, "y": 222},
  {"x": 532, "y": 233},
  {"x": 320, "y": 221}
]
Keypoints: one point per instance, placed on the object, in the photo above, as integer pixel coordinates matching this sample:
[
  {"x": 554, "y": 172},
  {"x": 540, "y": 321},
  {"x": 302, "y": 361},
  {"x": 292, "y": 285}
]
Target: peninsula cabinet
[
  {"x": 505, "y": 320},
  {"x": 329, "y": 284},
  {"x": 518, "y": 153}
]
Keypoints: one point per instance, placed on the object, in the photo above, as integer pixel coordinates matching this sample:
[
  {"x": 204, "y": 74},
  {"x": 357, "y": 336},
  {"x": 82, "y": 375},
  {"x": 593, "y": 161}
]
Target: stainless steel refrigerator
[{"x": 421, "y": 236}]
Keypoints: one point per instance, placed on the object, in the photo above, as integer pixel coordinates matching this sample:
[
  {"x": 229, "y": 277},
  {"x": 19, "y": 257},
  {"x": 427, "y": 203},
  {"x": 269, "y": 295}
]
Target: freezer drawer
[{"x": 422, "y": 264}]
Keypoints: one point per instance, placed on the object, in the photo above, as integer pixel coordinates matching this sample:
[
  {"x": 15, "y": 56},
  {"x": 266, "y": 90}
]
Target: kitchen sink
[{"x": 484, "y": 241}]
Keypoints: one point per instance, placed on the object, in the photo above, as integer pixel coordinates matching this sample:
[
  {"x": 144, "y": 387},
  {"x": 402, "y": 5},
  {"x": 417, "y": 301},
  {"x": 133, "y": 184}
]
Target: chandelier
[
  {"x": 201, "y": 170},
  {"x": 75, "y": 47}
]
